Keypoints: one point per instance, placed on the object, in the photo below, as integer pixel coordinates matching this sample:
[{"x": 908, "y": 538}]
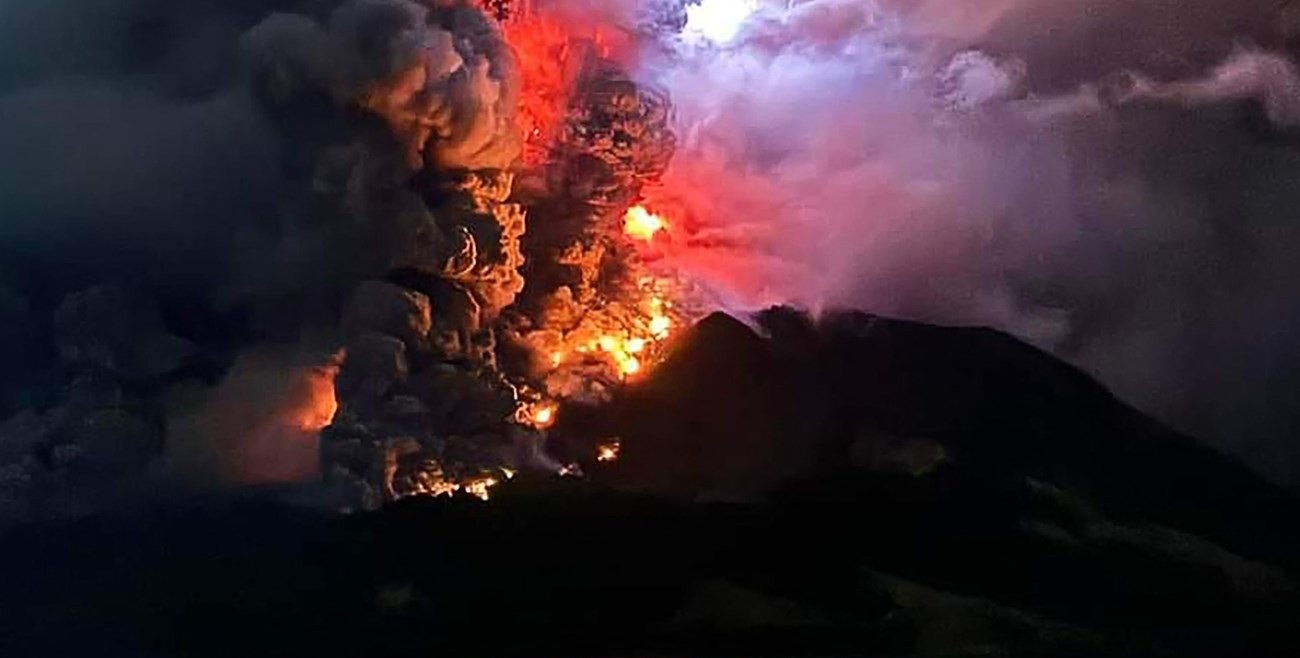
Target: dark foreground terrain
[{"x": 857, "y": 486}]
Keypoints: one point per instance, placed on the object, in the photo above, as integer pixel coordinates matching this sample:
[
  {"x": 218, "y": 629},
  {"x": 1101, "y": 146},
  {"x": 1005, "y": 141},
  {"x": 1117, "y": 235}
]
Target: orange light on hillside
[
  {"x": 539, "y": 415},
  {"x": 480, "y": 488},
  {"x": 608, "y": 452}
]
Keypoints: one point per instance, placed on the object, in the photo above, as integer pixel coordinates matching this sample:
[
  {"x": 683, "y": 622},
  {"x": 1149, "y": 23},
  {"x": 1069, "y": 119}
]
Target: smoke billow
[
  {"x": 185, "y": 187},
  {"x": 1109, "y": 180},
  {"x": 425, "y": 81},
  {"x": 261, "y": 425}
]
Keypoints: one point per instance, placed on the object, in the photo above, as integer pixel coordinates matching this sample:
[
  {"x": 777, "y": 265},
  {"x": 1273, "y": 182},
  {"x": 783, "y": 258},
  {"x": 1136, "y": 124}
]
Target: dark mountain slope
[
  {"x": 732, "y": 412},
  {"x": 855, "y": 486}
]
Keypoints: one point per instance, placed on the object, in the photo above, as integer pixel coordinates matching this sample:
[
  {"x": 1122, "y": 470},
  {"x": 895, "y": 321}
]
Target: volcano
[{"x": 647, "y": 327}]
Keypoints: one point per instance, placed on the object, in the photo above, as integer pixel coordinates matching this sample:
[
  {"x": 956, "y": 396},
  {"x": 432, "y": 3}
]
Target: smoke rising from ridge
[{"x": 1121, "y": 202}]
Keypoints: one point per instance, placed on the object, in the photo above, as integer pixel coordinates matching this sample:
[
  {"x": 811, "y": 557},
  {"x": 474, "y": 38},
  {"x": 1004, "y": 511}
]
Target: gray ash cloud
[{"x": 231, "y": 173}]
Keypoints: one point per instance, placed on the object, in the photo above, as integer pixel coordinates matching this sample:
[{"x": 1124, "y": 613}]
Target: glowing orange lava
[
  {"x": 633, "y": 343},
  {"x": 622, "y": 340},
  {"x": 480, "y": 488},
  {"x": 617, "y": 349},
  {"x": 641, "y": 224},
  {"x": 540, "y": 415},
  {"x": 608, "y": 452}
]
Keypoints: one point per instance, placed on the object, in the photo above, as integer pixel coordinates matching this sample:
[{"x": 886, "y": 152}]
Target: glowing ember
[
  {"x": 620, "y": 351},
  {"x": 641, "y": 224},
  {"x": 441, "y": 488},
  {"x": 608, "y": 452},
  {"x": 480, "y": 489},
  {"x": 542, "y": 415}
]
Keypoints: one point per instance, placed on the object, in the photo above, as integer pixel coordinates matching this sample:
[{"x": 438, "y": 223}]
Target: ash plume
[
  {"x": 1109, "y": 180},
  {"x": 241, "y": 172},
  {"x": 377, "y": 94},
  {"x": 426, "y": 82}
]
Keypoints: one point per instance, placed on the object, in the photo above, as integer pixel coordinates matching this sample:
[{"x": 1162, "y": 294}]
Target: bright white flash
[{"x": 719, "y": 20}]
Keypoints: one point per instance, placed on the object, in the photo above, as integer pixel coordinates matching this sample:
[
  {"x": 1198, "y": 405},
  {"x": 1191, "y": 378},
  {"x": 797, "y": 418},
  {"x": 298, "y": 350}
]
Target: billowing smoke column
[
  {"x": 340, "y": 307},
  {"x": 316, "y": 272},
  {"x": 444, "y": 85},
  {"x": 449, "y": 374},
  {"x": 412, "y": 171}
]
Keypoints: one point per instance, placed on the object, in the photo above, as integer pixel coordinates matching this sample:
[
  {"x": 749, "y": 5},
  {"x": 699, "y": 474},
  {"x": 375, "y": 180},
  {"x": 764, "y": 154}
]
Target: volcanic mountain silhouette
[
  {"x": 852, "y": 485},
  {"x": 735, "y": 410}
]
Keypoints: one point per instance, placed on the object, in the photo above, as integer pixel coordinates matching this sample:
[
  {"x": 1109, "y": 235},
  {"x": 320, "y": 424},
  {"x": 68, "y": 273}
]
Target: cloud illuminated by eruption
[
  {"x": 261, "y": 425},
  {"x": 1065, "y": 171},
  {"x": 829, "y": 156}
]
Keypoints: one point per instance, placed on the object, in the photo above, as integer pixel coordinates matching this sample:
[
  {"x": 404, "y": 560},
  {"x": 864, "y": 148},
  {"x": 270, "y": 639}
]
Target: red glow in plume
[
  {"x": 733, "y": 258},
  {"x": 552, "y": 51}
]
